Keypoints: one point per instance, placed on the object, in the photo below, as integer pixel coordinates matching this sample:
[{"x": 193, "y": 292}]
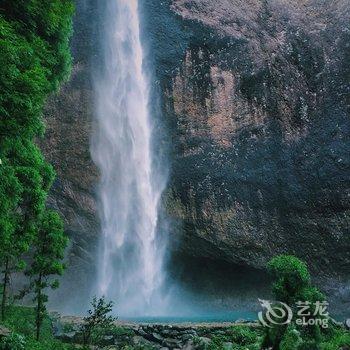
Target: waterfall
[{"x": 130, "y": 267}]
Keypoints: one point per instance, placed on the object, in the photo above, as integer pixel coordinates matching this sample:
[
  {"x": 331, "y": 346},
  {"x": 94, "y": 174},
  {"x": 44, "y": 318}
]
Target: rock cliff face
[
  {"x": 255, "y": 107},
  {"x": 69, "y": 119},
  {"x": 259, "y": 114}
]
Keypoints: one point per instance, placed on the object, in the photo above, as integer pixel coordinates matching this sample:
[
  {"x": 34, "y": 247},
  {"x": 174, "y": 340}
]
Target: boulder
[
  {"x": 172, "y": 343},
  {"x": 107, "y": 340},
  {"x": 4, "y": 332},
  {"x": 140, "y": 341},
  {"x": 157, "y": 337},
  {"x": 204, "y": 341},
  {"x": 68, "y": 337},
  {"x": 189, "y": 345},
  {"x": 185, "y": 337}
]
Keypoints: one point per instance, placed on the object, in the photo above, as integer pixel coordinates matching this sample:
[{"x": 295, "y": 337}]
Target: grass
[{"x": 21, "y": 321}]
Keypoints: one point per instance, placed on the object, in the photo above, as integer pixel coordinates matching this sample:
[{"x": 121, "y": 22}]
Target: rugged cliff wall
[
  {"x": 258, "y": 113},
  {"x": 255, "y": 103},
  {"x": 259, "y": 116}
]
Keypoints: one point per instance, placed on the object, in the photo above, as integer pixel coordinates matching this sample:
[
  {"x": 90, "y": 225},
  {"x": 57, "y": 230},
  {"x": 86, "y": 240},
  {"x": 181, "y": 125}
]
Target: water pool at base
[{"x": 205, "y": 318}]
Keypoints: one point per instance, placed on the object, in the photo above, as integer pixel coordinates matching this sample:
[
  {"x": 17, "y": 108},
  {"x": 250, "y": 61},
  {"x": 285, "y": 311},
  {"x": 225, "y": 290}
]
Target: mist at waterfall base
[{"x": 133, "y": 266}]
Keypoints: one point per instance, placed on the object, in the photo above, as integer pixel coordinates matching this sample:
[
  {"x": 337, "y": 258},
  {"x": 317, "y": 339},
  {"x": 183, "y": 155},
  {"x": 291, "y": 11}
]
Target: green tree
[
  {"x": 292, "y": 284},
  {"x": 35, "y": 58},
  {"x": 49, "y": 248},
  {"x": 98, "y": 320},
  {"x": 10, "y": 191},
  {"x": 35, "y": 177},
  {"x": 291, "y": 278}
]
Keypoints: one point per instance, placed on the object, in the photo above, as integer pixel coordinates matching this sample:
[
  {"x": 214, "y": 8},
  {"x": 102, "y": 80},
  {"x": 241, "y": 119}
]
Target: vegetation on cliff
[{"x": 35, "y": 59}]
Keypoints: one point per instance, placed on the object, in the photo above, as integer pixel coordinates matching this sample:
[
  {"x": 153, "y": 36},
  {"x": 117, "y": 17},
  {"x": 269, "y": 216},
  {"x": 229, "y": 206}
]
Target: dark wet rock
[
  {"x": 173, "y": 333},
  {"x": 171, "y": 343},
  {"x": 141, "y": 332},
  {"x": 189, "y": 345},
  {"x": 137, "y": 339},
  {"x": 157, "y": 337},
  {"x": 107, "y": 340},
  {"x": 66, "y": 145},
  {"x": 186, "y": 337},
  {"x": 69, "y": 337}
]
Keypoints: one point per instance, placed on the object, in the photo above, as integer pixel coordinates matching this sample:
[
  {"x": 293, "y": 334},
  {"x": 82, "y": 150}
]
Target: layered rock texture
[
  {"x": 69, "y": 120},
  {"x": 254, "y": 98},
  {"x": 259, "y": 113},
  {"x": 258, "y": 110}
]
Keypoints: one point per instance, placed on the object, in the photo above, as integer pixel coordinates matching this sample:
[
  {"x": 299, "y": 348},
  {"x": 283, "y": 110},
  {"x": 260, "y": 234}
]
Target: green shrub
[
  {"x": 21, "y": 321},
  {"x": 309, "y": 345},
  {"x": 337, "y": 339},
  {"x": 291, "y": 340},
  {"x": 291, "y": 277},
  {"x": 98, "y": 322},
  {"x": 217, "y": 343},
  {"x": 68, "y": 327},
  {"x": 292, "y": 283},
  {"x": 273, "y": 336},
  {"x": 13, "y": 342},
  {"x": 241, "y": 338},
  {"x": 243, "y": 335}
]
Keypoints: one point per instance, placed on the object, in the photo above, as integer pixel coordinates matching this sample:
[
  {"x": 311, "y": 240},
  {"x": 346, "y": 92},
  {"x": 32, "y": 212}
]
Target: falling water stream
[{"x": 130, "y": 268}]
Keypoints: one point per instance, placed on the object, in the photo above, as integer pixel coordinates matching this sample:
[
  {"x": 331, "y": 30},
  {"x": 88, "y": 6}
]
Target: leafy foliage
[
  {"x": 35, "y": 59},
  {"x": 336, "y": 339},
  {"x": 244, "y": 335},
  {"x": 291, "y": 277},
  {"x": 21, "y": 320},
  {"x": 13, "y": 342},
  {"x": 98, "y": 321},
  {"x": 293, "y": 284},
  {"x": 10, "y": 191},
  {"x": 291, "y": 339},
  {"x": 239, "y": 338},
  {"x": 34, "y": 37},
  {"x": 34, "y": 177},
  {"x": 50, "y": 244}
]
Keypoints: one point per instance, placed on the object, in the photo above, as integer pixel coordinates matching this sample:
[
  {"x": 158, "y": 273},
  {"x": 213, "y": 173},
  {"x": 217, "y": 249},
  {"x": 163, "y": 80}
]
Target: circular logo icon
[{"x": 275, "y": 313}]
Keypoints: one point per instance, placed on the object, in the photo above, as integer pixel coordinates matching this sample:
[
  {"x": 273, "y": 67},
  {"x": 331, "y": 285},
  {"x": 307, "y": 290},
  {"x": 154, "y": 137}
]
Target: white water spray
[{"x": 131, "y": 259}]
